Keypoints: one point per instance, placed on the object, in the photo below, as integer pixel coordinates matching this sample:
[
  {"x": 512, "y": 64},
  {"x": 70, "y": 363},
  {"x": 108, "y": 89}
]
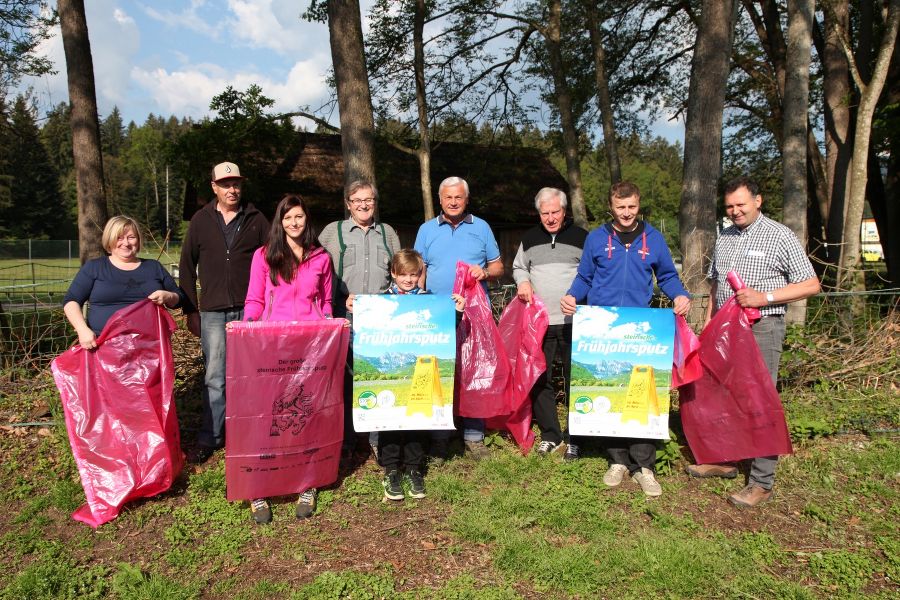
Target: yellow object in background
[
  {"x": 425, "y": 388},
  {"x": 641, "y": 400}
]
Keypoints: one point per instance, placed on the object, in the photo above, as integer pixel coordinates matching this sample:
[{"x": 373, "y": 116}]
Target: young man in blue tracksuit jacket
[{"x": 617, "y": 267}]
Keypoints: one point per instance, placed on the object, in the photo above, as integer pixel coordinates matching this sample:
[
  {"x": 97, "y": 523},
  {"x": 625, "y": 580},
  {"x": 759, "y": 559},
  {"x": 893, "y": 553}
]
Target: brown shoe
[
  {"x": 477, "y": 450},
  {"x": 724, "y": 471},
  {"x": 750, "y": 496}
]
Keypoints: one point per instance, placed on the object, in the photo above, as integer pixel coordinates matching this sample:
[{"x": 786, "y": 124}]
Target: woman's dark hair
[{"x": 279, "y": 256}]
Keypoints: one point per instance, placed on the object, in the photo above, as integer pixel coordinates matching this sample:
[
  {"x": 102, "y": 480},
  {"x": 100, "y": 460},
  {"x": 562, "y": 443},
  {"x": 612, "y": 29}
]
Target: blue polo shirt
[{"x": 441, "y": 245}]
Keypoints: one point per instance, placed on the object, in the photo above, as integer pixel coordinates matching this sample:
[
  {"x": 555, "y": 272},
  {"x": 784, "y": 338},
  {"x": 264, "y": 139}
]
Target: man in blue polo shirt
[{"x": 456, "y": 235}]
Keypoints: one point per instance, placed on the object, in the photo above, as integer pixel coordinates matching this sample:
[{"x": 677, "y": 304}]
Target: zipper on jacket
[
  {"x": 316, "y": 306},
  {"x": 271, "y": 304}
]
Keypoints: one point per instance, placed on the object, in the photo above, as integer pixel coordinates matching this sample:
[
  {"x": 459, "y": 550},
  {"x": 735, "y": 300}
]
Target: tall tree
[
  {"x": 604, "y": 102},
  {"x": 352, "y": 84},
  {"x": 703, "y": 139},
  {"x": 869, "y": 91},
  {"x": 85, "y": 128}
]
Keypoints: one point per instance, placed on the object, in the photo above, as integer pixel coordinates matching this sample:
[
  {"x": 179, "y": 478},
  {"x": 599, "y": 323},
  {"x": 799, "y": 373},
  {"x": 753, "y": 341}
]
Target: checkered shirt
[{"x": 766, "y": 254}]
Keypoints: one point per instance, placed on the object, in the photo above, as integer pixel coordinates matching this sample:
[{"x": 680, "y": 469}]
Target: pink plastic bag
[
  {"x": 119, "y": 411},
  {"x": 522, "y": 328},
  {"x": 733, "y": 411},
  {"x": 482, "y": 367},
  {"x": 284, "y": 418},
  {"x": 686, "y": 366}
]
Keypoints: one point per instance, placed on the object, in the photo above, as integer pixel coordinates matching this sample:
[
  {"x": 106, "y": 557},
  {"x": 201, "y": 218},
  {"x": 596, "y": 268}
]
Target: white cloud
[
  {"x": 187, "y": 91},
  {"x": 379, "y": 313},
  {"x": 271, "y": 24}
]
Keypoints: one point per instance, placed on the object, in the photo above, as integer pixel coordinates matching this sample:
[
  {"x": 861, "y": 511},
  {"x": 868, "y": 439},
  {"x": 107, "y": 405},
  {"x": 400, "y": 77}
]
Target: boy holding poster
[
  {"x": 402, "y": 451},
  {"x": 617, "y": 268}
]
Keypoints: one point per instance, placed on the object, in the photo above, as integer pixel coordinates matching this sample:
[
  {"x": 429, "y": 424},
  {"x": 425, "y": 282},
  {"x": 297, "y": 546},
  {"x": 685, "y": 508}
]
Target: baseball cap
[{"x": 226, "y": 170}]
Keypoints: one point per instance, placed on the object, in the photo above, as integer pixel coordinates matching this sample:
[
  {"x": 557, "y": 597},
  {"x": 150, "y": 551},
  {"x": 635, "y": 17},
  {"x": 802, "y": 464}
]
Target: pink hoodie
[{"x": 306, "y": 298}]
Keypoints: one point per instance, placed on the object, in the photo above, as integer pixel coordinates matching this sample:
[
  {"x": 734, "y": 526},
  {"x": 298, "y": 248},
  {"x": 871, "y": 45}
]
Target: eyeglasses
[{"x": 361, "y": 201}]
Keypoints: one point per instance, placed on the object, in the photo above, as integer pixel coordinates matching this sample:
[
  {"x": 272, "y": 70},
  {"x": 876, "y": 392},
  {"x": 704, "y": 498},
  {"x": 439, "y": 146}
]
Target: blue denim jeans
[
  {"x": 212, "y": 341},
  {"x": 473, "y": 429}
]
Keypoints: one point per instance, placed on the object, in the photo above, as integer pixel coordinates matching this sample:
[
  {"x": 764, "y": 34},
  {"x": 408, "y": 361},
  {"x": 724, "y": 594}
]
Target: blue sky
[{"x": 171, "y": 57}]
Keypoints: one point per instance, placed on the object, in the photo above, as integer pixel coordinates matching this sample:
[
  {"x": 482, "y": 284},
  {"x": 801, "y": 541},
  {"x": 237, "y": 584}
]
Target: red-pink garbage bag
[
  {"x": 522, "y": 327},
  {"x": 284, "y": 416},
  {"x": 119, "y": 411},
  {"x": 482, "y": 367},
  {"x": 736, "y": 283},
  {"x": 686, "y": 365},
  {"x": 733, "y": 411}
]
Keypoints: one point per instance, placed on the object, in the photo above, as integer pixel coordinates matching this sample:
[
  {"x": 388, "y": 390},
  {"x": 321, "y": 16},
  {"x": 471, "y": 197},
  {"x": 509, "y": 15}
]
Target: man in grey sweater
[{"x": 545, "y": 264}]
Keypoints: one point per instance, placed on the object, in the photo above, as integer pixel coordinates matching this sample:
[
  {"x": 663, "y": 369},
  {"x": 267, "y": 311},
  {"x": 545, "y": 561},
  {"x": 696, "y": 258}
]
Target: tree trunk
[
  {"x": 424, "y": 150},
  {"x": 849, "y": 277},
  {"x": 703, "y": 142},
  {"x": 85, "y": 128},
  {"x": 352, "y": 83},
  {"x": 566, "y": 117},
  {"x": 838, "y": 151},
  {"x": 796, "y": 100},
  {"x": 603, "y": 100}
]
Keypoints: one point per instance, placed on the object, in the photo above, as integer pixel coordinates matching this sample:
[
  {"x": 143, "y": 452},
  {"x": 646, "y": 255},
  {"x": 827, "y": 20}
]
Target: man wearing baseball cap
[{"x": 219, "y": 243}]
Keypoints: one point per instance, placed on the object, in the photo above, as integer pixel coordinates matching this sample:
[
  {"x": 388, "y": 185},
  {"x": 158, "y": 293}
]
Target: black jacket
[{"x": 224, "y": 274}]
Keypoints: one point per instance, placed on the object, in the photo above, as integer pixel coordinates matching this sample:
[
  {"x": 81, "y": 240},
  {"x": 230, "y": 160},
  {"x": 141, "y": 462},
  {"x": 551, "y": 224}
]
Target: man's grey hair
[
  {"x": 548, "y": 193},
  {"x": 359, "y": 184},
  {"x": 451, "y": 181}
]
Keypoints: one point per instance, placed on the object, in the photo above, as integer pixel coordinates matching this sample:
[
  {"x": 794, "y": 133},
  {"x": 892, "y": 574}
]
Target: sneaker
[
  {"x": 393, "y": 486},
  {"x": 477, "y": 450},
  {"x": 416, "y": 484},
  {"x": 647, "y": 481},
  {"x": 306, "y": 504},
  {"x": 614, "y": 475},
  {"x": 438, "y": 451},
  {"x": 573, "y": 452},
  {"x": 547, "y": 448},
  {"x": 724, "y": 471},
  {"x": 261, "y": 511},
  {"x": 752, "y": 495}
]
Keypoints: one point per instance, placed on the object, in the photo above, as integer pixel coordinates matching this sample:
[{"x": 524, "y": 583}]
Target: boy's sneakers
[
  {"x": 393, "y": 486},
  {"x": 260, "y": 511},
  {"x": 647, "y": 481},
  {"x": 477, "y": 450},
  {"x": 416, "y": 484},
  {"x": 614, "y": 475},
  {"x": 306, "y": 504},
  {"x": 573, "y": 452},
  {"x": 547, "y": 448}
]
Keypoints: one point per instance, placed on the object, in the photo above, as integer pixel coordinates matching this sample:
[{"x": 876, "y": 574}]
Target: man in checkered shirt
[{"x": 771, "y": 261}]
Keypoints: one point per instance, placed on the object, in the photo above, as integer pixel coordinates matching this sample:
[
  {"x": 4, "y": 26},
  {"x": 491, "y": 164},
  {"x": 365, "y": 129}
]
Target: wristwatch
[{"x": 770, "y": 298}]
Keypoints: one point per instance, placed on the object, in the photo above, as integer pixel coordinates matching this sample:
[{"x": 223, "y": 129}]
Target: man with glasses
[
  {"x": 361, "y": 249},
  {"x": 220, "y": 242}
]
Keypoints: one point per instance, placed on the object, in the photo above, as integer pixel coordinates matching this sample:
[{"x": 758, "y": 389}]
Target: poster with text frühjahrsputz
[
  {"x": 621, "y": 371},
  {"x": 404, "y": 357}
]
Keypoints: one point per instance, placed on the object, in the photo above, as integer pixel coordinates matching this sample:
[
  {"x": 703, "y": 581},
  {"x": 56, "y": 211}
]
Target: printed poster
[
  {"x": 404, "y": 358},
  {"x": 284, "y": 411},
  {"x": 621, "y": 371}
]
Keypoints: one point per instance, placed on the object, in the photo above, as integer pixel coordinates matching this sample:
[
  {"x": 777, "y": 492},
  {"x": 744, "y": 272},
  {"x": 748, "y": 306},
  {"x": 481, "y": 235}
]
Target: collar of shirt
[
  {"x": 396, "y": 290},
  {"x": 355, "y": 225},
  {"x": 442, "y": 220}
]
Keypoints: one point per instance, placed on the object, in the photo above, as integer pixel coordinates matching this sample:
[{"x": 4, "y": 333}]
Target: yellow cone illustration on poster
[
  {"x": 641, "y": 400},
  {"x": 404, "y": 358},
  {"x": 425, "y": 388},
  {"x": 621, "y": 372}
]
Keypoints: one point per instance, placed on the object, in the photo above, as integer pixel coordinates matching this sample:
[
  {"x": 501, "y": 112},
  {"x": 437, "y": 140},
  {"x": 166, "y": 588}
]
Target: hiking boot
[
  {"x": 647, "y": 481},
  {"x": 416, "y": 484},
  {"x": 547, "y": 448},
  {"x": 573, "y": 452},
  {"x": 306, "y": 504},
  {"x": 477, "y": 450},
  {"x": 261, "y": 511},
  {"x": 750, "y": 496},
  {"x": 438, "y": 451},
  {"x": 614, "y": 475},
  {"x": 393, "y": 485},
  {"x": 724, "y": 471}
]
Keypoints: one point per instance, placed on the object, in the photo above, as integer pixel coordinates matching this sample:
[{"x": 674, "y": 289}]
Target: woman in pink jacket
[{"x": 290, "y": 280}]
